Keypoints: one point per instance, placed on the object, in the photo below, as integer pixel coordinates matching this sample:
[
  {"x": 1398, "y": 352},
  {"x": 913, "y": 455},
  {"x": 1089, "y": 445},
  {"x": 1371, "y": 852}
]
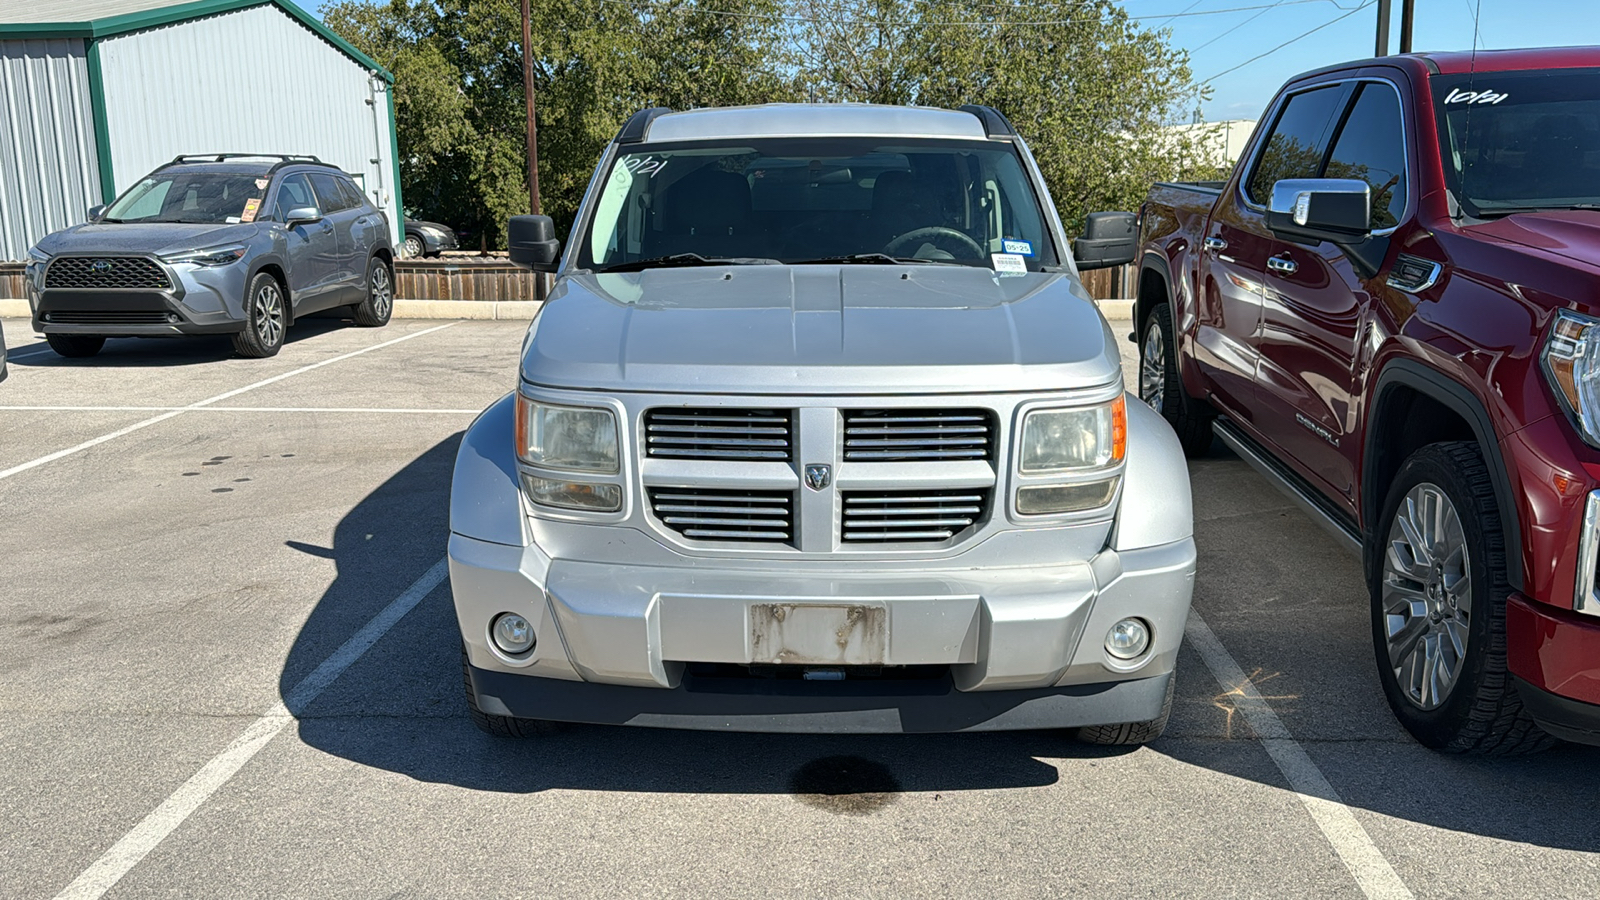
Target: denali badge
[{"x": 818, "y": 476}]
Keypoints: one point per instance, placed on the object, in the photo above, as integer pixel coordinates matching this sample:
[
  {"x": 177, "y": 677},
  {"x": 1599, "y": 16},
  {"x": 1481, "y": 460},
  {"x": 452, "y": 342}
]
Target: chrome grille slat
[
  {"x": 889, "y": 435},
  {"x": 719, "y": 433},
  {"x": 912, "y": 515},
  {"x": 121, "y": 273},
  {"x": 717, "y": 514}
]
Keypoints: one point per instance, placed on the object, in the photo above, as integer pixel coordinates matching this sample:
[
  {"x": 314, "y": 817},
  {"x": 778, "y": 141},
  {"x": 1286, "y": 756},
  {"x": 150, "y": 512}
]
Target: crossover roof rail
[
  {"x": 633, "y": 131},
  {"x": 222, "y": 157},
  {"x": 995, "y": 124}
]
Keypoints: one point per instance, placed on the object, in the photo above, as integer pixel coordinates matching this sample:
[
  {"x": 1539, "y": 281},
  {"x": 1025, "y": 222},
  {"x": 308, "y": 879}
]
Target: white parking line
[
  {"x": 146, "y": 423},
  {"x": 242, "y": 409},
  {"x": 154, "y": 828},
  {"x": 1372, "y": 872}
]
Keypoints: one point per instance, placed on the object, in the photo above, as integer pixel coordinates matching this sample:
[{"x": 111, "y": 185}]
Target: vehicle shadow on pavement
[{"x": 164, "y": 352}]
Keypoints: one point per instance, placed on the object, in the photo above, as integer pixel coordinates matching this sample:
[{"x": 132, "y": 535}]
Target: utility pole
[
  {"x": 1408, "y": 12},
  {"x": 533, "y": 130},
  {"x": 1384, "y": 16}
]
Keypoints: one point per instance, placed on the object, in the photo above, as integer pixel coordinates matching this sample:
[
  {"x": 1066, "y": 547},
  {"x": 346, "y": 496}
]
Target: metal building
[{"x": 97, "y": 93}]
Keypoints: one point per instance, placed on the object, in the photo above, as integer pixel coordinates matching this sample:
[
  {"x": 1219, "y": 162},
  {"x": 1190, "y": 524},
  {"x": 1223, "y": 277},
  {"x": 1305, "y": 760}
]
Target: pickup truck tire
[
  {"x": 500, "y": 726},
  {"x": 379, "y": 305},
  {"x": 1162, "y": 388},
  {"x": 1440, "y": 533},
  {"x": 266, "y": 318},
  {"x": 75, "y": 346},
  {"x": 1131, "y": 733}
]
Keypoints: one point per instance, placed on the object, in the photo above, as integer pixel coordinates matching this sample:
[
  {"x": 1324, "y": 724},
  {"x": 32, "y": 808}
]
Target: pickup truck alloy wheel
[
  {"x": 1427, "y": 596},
  {"x": 1153, "y": 367},
  {"x": 265, "y": 318},
  {"x": 1161, "y": 387}
]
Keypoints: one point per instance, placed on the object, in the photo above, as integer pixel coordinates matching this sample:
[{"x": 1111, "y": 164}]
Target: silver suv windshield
[
  {"x": 799, "y": 200},
  {"x": 201, "y": 198},
  {"x": 1520, "y": 141}
]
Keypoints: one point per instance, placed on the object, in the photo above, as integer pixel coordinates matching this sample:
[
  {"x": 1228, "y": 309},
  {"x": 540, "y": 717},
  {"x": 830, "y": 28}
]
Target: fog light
[
  {"x": 512, "y": 633},
  {"x": 1043, "y": 500},
  {"x": 1128, "y": 638},
  {"x": 596, "y": 497},
  {"x": 174, "y": 318}
]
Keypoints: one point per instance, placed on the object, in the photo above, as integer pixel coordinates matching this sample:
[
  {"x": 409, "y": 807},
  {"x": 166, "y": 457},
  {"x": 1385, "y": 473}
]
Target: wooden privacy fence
[{"x": 495, "y": 278}]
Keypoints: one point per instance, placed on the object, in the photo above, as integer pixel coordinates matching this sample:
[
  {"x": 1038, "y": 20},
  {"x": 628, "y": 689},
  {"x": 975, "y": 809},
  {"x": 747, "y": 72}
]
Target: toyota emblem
[
  {"x": 818, "y": 476},
  {"x": 101, "y": 266}
]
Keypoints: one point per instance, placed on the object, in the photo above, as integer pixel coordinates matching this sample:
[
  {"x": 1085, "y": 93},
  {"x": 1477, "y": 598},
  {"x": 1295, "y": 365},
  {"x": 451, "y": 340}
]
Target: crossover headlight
[
  {"x": 1065, "y": 440},
  {"x": 212, "y": 256},
  {"x": 1572, "y": 365},
  {"x": 565, "y": 437}
]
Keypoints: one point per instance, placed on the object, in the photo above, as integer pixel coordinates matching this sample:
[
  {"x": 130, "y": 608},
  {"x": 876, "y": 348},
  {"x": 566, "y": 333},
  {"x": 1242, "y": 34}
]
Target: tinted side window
[
  {"x": 328, "y": 192},
  {"x": 1371, "y": 147},
  {"x": 294, "y": 193},
  {"x": 1294, "y": 150},
  {"x": 352, "y": 194}
]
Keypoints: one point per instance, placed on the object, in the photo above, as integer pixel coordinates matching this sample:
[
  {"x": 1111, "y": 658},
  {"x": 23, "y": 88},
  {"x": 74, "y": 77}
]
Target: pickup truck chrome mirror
[
  {"x": 532, "y": 243},
  {"x": 1109, "y": 239},
  {"x": 302, "y": 215},
  {"x": 1312, "y": 210},
  {"x": 95, "y": 212}
]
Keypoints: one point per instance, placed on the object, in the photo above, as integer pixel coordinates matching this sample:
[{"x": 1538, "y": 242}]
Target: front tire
[
  {"x": 375, "y": 311},
  {"x": 1438, "y": 586},
  {"x": 499, "y": 726},
  {"x": 75, "y": 346},
  {"x": 1161, "y": 387},
  {"x": 1131, "y": 734},
  {"x": 266, "y": 318},
  {"x": 412, "y": 248}
]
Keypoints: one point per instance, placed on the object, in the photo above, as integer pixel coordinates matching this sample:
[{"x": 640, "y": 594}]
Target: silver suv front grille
[
  {"x": 713, "y": 433},
  {"x": 117, "y": 273},
  {"x": 900, "y": 435},
  {"x": 918, "y": 515},
  {"x": 723, "y": 515}
]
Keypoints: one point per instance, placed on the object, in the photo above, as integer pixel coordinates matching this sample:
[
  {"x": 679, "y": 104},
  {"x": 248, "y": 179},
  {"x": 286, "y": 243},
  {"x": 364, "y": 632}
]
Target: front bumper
[
  {"x": 1015, "y": 647},
  {"x": 199, "y": 301}
]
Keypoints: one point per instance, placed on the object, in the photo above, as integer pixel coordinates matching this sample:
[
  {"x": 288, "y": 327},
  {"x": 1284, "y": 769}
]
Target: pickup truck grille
[
  {"x": 118, "y": 273},
  {"x": 713, "y": 433},
  {"x": 900, "y": 435},
  {"x": 723, "y": 515},
  {"x": 912, "y": 516}
]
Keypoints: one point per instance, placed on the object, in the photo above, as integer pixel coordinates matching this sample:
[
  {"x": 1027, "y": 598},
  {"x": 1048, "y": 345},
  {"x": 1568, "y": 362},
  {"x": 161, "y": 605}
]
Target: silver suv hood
[{"x": 854, "y": 329}]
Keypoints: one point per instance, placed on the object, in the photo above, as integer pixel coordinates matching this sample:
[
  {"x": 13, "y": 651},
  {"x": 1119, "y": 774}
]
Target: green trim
[
  {"x": 183, "y": 12},
  {"x": 394, "y": 160},
  {"x": 102, "y": 128}
]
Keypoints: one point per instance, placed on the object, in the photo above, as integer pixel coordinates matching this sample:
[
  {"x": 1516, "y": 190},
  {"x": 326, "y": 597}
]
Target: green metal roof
[{"x": 109, "y": 18}]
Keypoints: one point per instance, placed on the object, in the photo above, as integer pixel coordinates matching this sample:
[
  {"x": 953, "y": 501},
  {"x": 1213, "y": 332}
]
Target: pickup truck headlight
[
  {"x": 1572, "y": 365},
  {"x": 1071, "y": 442},
  {"x": 212, "y": 256}
]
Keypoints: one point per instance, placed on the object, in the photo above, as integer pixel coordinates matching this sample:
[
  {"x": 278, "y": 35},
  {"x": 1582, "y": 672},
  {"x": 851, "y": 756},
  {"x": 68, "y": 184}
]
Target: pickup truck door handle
[
  {"x": 1216, "y": 244},
  {"x": 1283, "y": 266}
]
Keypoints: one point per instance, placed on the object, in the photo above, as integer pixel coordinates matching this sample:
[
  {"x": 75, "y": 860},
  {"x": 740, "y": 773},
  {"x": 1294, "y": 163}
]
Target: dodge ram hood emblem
[{"x": 818, "y": 476}]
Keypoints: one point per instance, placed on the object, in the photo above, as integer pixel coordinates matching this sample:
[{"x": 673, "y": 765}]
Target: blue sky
[{"x": 1440, "y": 25}]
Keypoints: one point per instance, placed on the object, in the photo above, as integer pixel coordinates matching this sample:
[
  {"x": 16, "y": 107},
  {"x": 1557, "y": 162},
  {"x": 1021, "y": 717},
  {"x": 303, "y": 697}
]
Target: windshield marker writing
[{"x": 1481, "y": 98}]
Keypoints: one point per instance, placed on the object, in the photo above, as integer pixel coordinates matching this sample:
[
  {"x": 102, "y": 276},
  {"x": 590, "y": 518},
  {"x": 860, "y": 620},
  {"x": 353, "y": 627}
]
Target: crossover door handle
[
  {"x": 1216, "y": 244},
  {"x": 1283, "y": 266}
]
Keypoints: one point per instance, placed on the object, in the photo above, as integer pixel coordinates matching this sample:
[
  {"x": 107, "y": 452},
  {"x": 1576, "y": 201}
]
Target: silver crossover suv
[
  {"x": 219, "y": 244},
  {"x": 819, "y": 431}
]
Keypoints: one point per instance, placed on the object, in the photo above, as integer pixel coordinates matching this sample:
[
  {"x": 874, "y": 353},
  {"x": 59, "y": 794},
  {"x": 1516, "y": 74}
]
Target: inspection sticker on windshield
[
  {"x": 250, "y": 208},
  {"x": 1021, "y": 248},
  {"x": 1008, "y": 264}
]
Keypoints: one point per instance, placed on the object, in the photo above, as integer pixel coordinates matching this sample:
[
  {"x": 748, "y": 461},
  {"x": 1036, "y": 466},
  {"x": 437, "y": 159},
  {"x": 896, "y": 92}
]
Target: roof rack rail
[
  {"x": 633, "y": 131},
  {"x": 222, "y": 157},
  {"x": 995, "y": 124}
]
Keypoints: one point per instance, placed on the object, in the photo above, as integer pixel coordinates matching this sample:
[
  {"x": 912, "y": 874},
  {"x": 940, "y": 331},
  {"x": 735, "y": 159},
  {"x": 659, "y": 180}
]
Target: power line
[
  {"x": 1236, "y": 27},
  {"x": 1290, "y": 41}
]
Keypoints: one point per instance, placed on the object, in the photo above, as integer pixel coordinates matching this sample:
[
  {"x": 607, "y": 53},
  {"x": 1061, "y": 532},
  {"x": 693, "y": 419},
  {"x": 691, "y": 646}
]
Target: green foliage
[{"x": 1088, "y": 88}]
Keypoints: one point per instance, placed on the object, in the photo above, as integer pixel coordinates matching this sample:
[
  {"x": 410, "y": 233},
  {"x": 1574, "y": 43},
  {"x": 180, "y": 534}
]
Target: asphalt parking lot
[{"x": 228, "y": 668}]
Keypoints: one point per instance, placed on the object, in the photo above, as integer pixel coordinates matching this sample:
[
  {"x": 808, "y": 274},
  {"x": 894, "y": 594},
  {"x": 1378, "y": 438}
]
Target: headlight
[
  {"x": 1065, "y": 440},
  {"x": 1572, "y": 365},
  {"x": 564, "y": 437},
  {"x": 38, "y": 256},
  {"x": 214, "y": 256}
]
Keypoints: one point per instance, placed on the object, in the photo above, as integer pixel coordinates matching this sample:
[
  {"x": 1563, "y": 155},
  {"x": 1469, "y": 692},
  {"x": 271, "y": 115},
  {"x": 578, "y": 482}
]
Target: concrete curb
[{"x": 522, "y": 310}]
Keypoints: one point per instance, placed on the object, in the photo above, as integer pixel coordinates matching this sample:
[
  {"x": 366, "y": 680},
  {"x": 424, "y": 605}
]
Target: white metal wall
[
  {"x": 252, "y": 81},
  {"x": 49, "y": 175}
]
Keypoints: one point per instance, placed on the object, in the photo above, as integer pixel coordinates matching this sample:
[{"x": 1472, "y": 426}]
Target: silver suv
[
  {"x": 218, "y": 244},
  {"x": 819, "y": 431}
]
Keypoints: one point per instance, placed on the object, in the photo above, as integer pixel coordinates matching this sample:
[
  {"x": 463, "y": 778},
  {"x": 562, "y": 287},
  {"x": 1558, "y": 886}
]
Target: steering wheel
[{"x": 934, "y": 235}]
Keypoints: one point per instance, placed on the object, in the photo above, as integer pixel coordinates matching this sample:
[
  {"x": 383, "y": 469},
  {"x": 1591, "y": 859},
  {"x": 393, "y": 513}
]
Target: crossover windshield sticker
[
  {"x": 251, "y": 207},
  {"x": 1008, "y": 264},
  {"x": 1482, "y": 98},
  {"x": 261, "y": 184},
  {"x": 1021, "y": 248}
]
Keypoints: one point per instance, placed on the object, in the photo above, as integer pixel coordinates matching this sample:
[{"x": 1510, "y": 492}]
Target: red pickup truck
[{"x": 1392, "y": 310}]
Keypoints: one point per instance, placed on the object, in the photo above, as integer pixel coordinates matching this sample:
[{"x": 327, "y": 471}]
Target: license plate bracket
[{"x": 848, "y": 634}]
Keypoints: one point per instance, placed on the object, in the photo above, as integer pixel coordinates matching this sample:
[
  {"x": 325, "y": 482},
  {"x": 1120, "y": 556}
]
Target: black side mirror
[
  {"x": 95, "y": 212},
  {"x": 1313, "y": 210},
  {"x": 302, "y": 215},
  {"x": 1109, "y": 239},
  {"x": 532, "y": 242}
]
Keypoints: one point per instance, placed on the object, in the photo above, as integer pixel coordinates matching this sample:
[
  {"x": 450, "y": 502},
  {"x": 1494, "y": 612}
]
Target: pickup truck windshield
[
  {"x": 1517, "y": 141},
  {"x": 798, "y": 200},
  {"x": 201, "y": 198}
]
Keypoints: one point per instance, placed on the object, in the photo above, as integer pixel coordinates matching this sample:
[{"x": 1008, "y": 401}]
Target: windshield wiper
[
  {"x": 1499, "y": 211},
  {"x": 688, "y": 259},
  {"x": 877, "y": 259}
]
